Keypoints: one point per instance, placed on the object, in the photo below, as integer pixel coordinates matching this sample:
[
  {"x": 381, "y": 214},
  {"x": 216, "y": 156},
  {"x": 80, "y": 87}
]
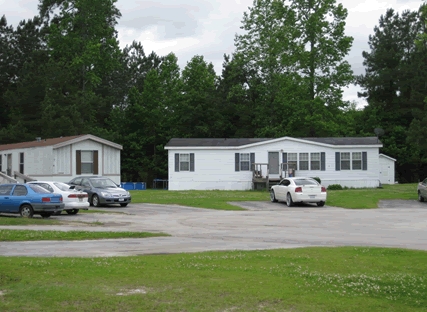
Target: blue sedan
[{"x": 29, "y": 199}]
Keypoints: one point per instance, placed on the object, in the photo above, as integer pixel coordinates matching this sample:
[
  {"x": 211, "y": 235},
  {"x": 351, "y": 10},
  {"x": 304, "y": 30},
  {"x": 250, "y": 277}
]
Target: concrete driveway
[{"x": 263, "y": 225}]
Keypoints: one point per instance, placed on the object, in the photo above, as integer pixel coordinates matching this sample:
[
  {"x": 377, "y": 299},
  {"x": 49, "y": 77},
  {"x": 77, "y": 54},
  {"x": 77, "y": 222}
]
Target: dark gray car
[{"x": 101, "y": 191}]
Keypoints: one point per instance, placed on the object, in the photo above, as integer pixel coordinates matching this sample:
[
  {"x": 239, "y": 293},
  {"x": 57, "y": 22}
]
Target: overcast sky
[{"x": 208, "y": 27}]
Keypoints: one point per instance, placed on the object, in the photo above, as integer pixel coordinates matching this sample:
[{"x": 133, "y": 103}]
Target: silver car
[
  {"x": 101, "y": 190},
  {"x": 422, "y": 190}
]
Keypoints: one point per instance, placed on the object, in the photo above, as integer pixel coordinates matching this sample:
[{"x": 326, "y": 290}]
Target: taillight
[
  {"x": 60, "y": 199},
  {"x": 77, "y": 195},
  {"x": 298, "y": 189},
  {"x": 46, "y": 199},
  {"x": 323, "y": 189}
]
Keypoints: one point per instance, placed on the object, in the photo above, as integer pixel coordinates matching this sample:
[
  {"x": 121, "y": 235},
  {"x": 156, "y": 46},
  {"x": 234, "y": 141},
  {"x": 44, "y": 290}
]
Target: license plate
[
  {"x": 121, "y": 199},
  {"x": 80, "y": 199},
  {"x": 312, "y": 196}
]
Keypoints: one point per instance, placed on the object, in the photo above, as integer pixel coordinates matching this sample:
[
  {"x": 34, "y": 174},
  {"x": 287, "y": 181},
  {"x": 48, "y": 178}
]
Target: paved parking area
[{"x": 263, "y": 225}]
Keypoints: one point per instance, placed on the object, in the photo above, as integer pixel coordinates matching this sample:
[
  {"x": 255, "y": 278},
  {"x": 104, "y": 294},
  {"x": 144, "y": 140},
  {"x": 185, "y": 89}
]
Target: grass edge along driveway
[
  {"x": 35, "y": 235},
  {"x": 349, "y": 198}
]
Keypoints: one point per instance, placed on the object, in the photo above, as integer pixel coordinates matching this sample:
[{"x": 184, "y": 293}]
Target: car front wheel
[
  {"x": 420, "y": 197},
  {"x": 26, "y": 211},
  {"x": 289, "y": 201},
  {"x": 95, "y": 200},
  {"x": 273, "y": 197}
]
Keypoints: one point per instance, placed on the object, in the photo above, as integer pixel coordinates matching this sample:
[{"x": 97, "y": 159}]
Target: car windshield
[
  {"x": 62, "y": 186},
  {"x": 305, "y": 182},
  {"x": 103, "y": 183},
  {"x": 38, "y": 189}
]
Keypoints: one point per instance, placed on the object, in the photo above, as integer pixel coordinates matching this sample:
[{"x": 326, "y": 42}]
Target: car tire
[
  {"x": 273, "y": 197},
  {"x": 420, "y": 197},
  {"x": 320, "y": 204},
  {"x": 95, "y": 200},
  {"x": 45, "y": 215},
  {"x": 26, "y": 211},
  {"x": 123, "y": 205},
  {"x": 72, "y": 211},
  {"x": 289, "y": 201}
]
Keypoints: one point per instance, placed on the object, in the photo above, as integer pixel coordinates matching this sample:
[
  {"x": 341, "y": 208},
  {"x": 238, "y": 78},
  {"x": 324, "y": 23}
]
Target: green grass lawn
[
  {"x": 350, "y": 198},
  {"x": 306, "y": 279},
  {"x": 31, "y": 235},
  {"x": 17, "y": 220}
]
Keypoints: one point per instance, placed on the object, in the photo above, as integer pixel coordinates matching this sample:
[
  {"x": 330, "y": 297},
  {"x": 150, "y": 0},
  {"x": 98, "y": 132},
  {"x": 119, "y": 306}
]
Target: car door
[
  {"x": 5, "y": 202},
  {"x": 283, "y": 189},
  {"x": 86, "y": 186},
  {"x": 19, "y": 194}
]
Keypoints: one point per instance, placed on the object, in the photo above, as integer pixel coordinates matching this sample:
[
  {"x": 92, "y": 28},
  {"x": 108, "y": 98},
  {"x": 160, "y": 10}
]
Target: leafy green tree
[
  {"x": 197, "y": 114},
  {"x": 84, "y": 57},
  {"x": 297, "y": 50},
  {"x": 394, "y": 88},
  {"x": 7, "y": 67}
]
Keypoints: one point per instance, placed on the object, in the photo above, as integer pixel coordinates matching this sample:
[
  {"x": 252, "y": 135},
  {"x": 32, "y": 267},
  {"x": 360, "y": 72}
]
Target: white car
[
  {"x": 298, "y": 190},
  {"x": 73, "y": 199},
  {"x": 422, "y": 190}
]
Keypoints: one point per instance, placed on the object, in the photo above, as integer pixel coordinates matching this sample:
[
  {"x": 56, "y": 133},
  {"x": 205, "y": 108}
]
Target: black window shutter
[
  {"x": 191, "y": 161},
  {"x": 237, "y": 162},
  {"x": 252, "y": 161},
  {"x": 337, "y": 161},
  {"x": 364, "y": 161},
  {"x": 322, "y": 161},
  {"x": 284, "y": 157},
  {"x": 176, "y": 162}
]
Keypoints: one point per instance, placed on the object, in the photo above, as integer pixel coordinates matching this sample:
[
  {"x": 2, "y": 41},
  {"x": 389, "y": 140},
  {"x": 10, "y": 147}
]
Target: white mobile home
[
  {"x": 237, "y": 164},
  {"x": 60, "y": 159}
]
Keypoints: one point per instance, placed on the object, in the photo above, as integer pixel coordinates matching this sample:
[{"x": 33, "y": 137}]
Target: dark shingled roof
[{"x": 175, "y": 142}]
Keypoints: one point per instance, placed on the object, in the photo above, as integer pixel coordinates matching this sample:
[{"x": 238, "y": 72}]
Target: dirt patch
[{"x": 128, "y": 292}]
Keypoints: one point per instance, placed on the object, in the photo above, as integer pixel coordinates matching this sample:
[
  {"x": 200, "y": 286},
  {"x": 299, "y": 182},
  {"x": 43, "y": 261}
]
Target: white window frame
[
  {"x": 86, "y": 162},
  {"x": 292, "y": 161},
  {"x": 346, "y": 160},
  {"x": 304, "y": 161},
  {"x": 356, "y": 159},
  {"x": 245, "y": 160},
  {"x": 184, "y": 159},
  {"x": 314, "y": 161}
]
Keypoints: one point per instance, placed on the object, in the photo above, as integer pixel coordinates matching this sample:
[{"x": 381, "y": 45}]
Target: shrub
[
  {"x": 317, "y": 179},
  {"x": 335, "y": 187}
]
